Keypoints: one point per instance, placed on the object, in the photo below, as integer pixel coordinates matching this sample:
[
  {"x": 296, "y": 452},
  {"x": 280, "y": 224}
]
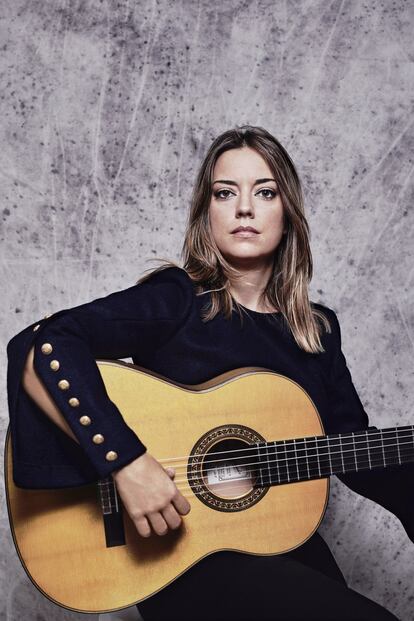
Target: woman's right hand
[{"x": 150, "y": 495}]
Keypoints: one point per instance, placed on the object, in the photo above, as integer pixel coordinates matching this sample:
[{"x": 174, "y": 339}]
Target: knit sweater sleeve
[{"x": 66, "y": 346}]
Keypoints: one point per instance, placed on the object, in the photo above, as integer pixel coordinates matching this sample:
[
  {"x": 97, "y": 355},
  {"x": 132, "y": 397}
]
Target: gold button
[
  {"x": 111, "y": 456},
  {"x": 98, "y": 438},
  {"x": 63, "y": 384},
  {"x": 74, "y": 402},
  {"x": 85, "y": 421},
  {"x": 37, "y": 326},
  {"x": 46, "y": 348},
  {"x": 54, "y": 365}
]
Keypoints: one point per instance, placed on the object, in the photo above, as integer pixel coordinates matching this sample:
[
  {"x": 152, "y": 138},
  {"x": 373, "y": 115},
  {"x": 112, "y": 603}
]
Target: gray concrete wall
[{"x": 107, "y": 109}]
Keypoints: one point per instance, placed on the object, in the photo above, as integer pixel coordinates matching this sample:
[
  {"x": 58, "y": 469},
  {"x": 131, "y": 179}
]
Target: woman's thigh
[{"x": 228, "y": 586}]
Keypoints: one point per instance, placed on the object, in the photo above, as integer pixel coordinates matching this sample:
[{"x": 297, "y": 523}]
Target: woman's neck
[{"x": 248, "y": 288}]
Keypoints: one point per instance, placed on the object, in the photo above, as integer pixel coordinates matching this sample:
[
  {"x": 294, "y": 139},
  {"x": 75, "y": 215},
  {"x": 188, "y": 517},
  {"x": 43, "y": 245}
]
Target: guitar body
[{"x": 60, "y": 536}]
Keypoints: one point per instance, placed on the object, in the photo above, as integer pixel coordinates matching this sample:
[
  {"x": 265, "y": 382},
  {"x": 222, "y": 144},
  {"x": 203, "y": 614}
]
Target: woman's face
[{"x": 245, "y": 194}]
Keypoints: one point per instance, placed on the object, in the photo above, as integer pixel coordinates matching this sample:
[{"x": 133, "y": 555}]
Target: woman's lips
[{"x": 245, "y": 234}]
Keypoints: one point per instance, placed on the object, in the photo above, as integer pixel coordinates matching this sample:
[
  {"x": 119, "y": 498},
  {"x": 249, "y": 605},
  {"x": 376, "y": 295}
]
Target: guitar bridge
[{"x": 112, "y": 513}]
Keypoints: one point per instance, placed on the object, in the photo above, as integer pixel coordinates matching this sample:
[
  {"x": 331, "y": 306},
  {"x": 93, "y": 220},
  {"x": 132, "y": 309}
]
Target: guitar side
[{"x": 59, "y": 534}]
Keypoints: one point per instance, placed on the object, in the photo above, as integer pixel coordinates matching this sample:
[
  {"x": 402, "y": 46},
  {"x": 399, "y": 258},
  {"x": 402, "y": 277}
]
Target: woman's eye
[
  {"x": 272, "y": 193},
  {"x": 217, "y": 194}
]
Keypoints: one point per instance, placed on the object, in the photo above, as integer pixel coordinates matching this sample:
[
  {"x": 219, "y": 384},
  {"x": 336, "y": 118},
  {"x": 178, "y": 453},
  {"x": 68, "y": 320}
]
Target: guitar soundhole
[
  {"x": 223, "y": 468},
  {"x": 228, "y": 469}
]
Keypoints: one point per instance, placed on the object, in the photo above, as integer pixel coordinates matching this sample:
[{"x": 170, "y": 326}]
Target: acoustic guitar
[{"x": 251, "y": 456}]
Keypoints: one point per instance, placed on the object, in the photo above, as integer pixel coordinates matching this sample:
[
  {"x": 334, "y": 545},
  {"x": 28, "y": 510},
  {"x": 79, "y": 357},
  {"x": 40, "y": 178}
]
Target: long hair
[{"x": 287, "y": 287}]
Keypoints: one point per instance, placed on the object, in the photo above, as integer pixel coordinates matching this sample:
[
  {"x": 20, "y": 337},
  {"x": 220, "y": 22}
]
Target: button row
[{"x": 74, "y": 402}]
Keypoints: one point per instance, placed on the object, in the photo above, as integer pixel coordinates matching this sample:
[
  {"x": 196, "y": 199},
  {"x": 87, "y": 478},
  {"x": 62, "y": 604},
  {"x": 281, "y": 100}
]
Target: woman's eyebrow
[{"x": 230, "y": 182}]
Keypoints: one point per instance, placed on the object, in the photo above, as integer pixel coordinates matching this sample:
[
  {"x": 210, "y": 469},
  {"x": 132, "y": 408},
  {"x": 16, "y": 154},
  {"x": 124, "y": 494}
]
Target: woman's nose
[{"x": 245, "y": 204}]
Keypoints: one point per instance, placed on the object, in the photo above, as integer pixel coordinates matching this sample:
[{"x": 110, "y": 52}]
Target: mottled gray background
[{"x": 107, "y": 108}]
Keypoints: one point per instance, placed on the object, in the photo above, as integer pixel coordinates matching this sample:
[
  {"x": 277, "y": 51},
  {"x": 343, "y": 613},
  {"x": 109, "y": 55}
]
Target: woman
[{"x": 240, "y": 300}]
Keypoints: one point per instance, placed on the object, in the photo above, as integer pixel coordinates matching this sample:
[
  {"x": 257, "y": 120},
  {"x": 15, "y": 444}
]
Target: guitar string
[
  {"x": 193, "y": 492},
  {"x": 328, "y": 438},
  {"x": 316, "y": 440},
  {"x": 407, "y": 452},
  {"x": 188, "y": 488},
  {"x": 286, "y": 462},
  {"x": 295, "y": 457}
]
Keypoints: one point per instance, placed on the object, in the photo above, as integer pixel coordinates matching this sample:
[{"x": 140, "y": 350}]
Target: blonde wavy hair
[{"x": 287, "y": 287}]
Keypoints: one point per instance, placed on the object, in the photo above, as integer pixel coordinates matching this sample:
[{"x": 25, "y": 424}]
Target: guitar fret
[
  {"x": 302, "y": 467},
  {"x": 355, "y": 455},
  {"x": 268, "y": 464},
  {"x": 375, "y": 450},
  {"x": 286, "y": 459},
  {"x": 362, "y": 449},
  {"x": 296, "y": 460},
  {"x": 388, "y": 443},
  {"x": 307, "y": 457},
  {"x": 382, "y": 447},
  {"x": 289, "y": 460},
  {"x": 398, "y": 449},
  {"x": 334, "y": 453},
  {"x": 323, "y": 450},
  {"x": 311, "y": 446},
  {"x": 284, "y": 478},
  {"x": 329, "y": 457},
  {"x": 275, "y": 444},
  {"x": 368, "y": 451},
  {"x": 317, "y": 456},
  {"x": 259, "y": 461},
  {"x": 342, "y": 455}
]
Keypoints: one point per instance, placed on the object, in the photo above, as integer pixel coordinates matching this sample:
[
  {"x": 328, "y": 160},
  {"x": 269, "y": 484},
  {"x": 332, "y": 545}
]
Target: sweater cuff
[{"x": 79, "y": 395}]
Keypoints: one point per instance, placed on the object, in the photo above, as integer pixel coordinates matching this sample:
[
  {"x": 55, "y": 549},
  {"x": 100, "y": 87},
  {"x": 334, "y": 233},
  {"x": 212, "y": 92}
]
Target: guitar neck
[
  {"x": 298, "y": 459},
  {"x": 301, "y": 459}
]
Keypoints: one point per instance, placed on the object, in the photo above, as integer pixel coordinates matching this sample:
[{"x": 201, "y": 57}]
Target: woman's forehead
[{"x": 238, "y": 164}]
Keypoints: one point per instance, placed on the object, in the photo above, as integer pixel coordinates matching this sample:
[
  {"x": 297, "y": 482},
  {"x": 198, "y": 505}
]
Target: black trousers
[{"x": 303, "y": 585}]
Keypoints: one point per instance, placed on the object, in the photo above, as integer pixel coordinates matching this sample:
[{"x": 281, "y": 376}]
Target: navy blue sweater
[{"x": 158, "y": 323}]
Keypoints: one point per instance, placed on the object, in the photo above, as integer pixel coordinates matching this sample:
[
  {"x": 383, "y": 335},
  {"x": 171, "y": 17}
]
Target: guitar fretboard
[
  {"x": 112, "y": 513},
  {"x": 300, "y": 459}
]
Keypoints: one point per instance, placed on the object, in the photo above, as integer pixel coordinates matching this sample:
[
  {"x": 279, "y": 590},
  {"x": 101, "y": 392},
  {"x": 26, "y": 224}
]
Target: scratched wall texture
[{"x": 107, "y": 108}]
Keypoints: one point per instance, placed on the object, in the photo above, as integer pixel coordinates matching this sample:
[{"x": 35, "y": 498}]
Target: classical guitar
[{"x": 251, "y": 455}]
